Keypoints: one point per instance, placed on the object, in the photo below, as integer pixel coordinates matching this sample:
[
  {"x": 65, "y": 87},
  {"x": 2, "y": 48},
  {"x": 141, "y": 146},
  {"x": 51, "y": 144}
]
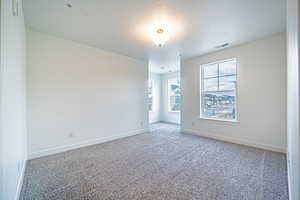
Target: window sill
[
  {"x": 220, "y": 120},
  {"x": 174, "y": 111}
]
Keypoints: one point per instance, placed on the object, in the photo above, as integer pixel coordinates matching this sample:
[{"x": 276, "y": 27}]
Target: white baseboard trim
[
  {"x": 166, "y": 122},
  {"x": 20, "y": 181},
  {"x": 60, "y": 149},
  {"x": 234, "y": 140}
]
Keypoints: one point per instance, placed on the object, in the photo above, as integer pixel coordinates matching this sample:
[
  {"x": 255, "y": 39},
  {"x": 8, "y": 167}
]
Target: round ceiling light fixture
[
  {"x": 160, "y": 36},
  {"x": 160, "y": 31}
]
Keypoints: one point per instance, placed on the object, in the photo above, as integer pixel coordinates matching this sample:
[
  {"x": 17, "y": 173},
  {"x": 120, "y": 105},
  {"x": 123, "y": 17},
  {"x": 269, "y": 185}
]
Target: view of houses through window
[
  {"x": 174, "y": 97},
  {"x": 218, "y": 90}
]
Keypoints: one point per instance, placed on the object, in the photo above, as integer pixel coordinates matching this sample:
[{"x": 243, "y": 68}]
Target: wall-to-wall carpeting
[{"x": 162, "y": 164}]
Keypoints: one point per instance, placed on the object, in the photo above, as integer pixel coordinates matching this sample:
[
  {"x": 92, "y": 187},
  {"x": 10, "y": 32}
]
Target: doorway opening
[{"x": 164, "y": 95}]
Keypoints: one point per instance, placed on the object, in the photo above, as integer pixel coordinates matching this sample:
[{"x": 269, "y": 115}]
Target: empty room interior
[{"x": 149, "y": 100}]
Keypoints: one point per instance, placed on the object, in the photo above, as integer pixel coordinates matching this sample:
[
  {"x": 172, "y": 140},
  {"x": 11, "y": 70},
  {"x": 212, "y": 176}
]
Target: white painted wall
[
  {"x": 293, "y": 33},
  {"x": 12, "y": 101},
  {"x": 73, "y": 88},
  {"x": 261, "y": 95},
  {"x": 154, "y": 115},
  {"x": 166, "y": 116}
]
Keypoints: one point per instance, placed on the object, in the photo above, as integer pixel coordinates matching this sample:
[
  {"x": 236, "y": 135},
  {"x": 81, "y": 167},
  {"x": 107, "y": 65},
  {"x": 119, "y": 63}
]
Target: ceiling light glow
[
  {"x": 160, "y": 32},
  {"x": 160, "y": 37}
]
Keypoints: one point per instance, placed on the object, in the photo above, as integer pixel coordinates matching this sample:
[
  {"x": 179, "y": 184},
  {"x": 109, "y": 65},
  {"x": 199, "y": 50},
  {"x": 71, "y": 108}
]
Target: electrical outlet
[
  {"x": 15, "y": 7},
  {"x": 71, "y": 135},
  {"x": 19, "y": 166}
]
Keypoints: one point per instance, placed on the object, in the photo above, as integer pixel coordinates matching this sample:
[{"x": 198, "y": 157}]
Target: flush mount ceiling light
[
  {"x": 160, "y": 30},
  {"x": 162, "y": 25},
  {"x": 160, "y": 36}
]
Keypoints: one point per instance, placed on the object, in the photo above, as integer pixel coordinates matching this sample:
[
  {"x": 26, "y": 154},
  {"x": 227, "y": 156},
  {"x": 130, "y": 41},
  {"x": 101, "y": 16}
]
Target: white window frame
[
  {"x": 168, "y": 95},
  {"x": 235, "y": 91},
  {"x": 152, "y": 92}
]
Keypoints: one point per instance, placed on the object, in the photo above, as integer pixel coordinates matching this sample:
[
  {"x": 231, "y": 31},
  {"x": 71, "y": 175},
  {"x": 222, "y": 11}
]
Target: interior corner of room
[
  {"x": 162, "y": 109},
  {"x": 149, "y": 99}
]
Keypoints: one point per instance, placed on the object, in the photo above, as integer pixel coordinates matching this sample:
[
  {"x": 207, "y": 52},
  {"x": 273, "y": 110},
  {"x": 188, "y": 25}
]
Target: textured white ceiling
[{"x": 119, "y": 25}]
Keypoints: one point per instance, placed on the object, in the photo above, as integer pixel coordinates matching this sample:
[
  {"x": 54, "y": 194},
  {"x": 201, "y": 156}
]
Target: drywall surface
[
  {"x": 154, "y": 115},
  {"x": 261, "y": 95},
  {"x": 79, "y": 95},
  {"x": 12, "y": 101},
  {"x": 293, "y": 98},
  {"x": 166, "y": 115}
]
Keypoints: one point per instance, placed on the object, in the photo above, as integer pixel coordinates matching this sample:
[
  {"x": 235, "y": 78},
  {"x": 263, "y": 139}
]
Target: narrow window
[
  {"x": 174, "y": 100},
  {"x": 218, "y": 90},
  {"x": 150, "y": 94}
]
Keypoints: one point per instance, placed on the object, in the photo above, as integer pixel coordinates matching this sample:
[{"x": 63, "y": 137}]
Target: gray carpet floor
[{"x": 162, "y": 164}]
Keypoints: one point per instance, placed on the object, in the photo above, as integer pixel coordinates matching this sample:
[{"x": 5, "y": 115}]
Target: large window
[
  {"x": 218, "y": 90},
  {"x": 174, "y": 95},
  {"x": 150, "y": 94}
]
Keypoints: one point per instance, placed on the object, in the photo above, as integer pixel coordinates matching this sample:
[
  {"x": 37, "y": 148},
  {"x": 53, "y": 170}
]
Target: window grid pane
[
  {"x": 174, "y": 97},
  {"x": 150, "y": 94},
  {"x": 219, "y": 101}
]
